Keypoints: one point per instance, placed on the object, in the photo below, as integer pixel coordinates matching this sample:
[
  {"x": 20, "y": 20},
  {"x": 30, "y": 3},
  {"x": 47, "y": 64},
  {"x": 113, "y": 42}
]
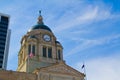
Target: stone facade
[
  {"x": 13, "y": 75},
  {"x": 58, "y": 71},
  {"x": 41, "y": 58}
]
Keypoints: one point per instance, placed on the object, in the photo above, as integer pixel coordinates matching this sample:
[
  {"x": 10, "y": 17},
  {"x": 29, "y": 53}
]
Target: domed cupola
[
  {"x": 39, "y": 48},
  {"x": 40, "y": 24}
]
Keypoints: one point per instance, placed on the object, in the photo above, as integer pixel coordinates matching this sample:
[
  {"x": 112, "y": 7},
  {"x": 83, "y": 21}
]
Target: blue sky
[{"x": 89, "y": 31}]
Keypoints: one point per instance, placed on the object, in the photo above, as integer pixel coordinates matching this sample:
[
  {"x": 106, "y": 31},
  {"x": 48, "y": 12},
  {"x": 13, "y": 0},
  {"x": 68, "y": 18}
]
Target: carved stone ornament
[{"x": 61, "y": 69}]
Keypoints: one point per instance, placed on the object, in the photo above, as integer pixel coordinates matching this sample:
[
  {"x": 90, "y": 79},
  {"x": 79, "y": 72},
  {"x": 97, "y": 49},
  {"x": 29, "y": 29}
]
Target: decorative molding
[{"x": 61, "y": 68}]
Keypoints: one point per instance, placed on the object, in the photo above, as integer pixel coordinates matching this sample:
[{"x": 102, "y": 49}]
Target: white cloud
[
  {"x": 88, "y": 14},
  {"x": 85, "y": 16},
  {"x": 88, "y": 43},
  {"x": 106, "y": 68}
]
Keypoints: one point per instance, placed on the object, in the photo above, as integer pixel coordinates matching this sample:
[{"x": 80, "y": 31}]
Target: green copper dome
[{"x": 40, "y": 25}]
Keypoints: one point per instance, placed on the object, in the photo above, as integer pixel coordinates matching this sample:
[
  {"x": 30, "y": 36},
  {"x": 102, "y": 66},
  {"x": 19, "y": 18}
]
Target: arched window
[
  {"x": 44, "y": 52},
  {"x": 49, "y": 52},
  {"x": 59, "y": 55},
  {"x": 31, "y": 49}
]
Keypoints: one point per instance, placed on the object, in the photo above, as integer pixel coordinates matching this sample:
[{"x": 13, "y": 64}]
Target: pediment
[{"x": 61, "y": 68}]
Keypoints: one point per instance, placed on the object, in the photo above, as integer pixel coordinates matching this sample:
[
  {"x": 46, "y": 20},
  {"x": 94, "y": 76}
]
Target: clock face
[{"x": 46, "y": 37}]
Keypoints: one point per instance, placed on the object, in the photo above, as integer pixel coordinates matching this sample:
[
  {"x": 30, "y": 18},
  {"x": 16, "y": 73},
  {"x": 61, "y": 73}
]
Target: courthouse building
[{"x": 41, "y": 57}]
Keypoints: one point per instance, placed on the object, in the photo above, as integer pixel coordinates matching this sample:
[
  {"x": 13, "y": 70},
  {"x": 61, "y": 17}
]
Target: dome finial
[
  {"x": 39, "y": 12},
  {"x": 40, "y": 19}
]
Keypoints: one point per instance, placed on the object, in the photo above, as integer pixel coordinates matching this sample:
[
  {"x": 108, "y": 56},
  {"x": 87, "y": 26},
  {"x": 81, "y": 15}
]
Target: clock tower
[{"x": 39, "y": 48}]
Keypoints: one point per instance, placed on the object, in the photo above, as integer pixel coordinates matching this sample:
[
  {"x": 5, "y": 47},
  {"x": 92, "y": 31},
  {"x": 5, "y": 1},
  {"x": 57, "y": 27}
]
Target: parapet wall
[{"x": 13, "y": 75}]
